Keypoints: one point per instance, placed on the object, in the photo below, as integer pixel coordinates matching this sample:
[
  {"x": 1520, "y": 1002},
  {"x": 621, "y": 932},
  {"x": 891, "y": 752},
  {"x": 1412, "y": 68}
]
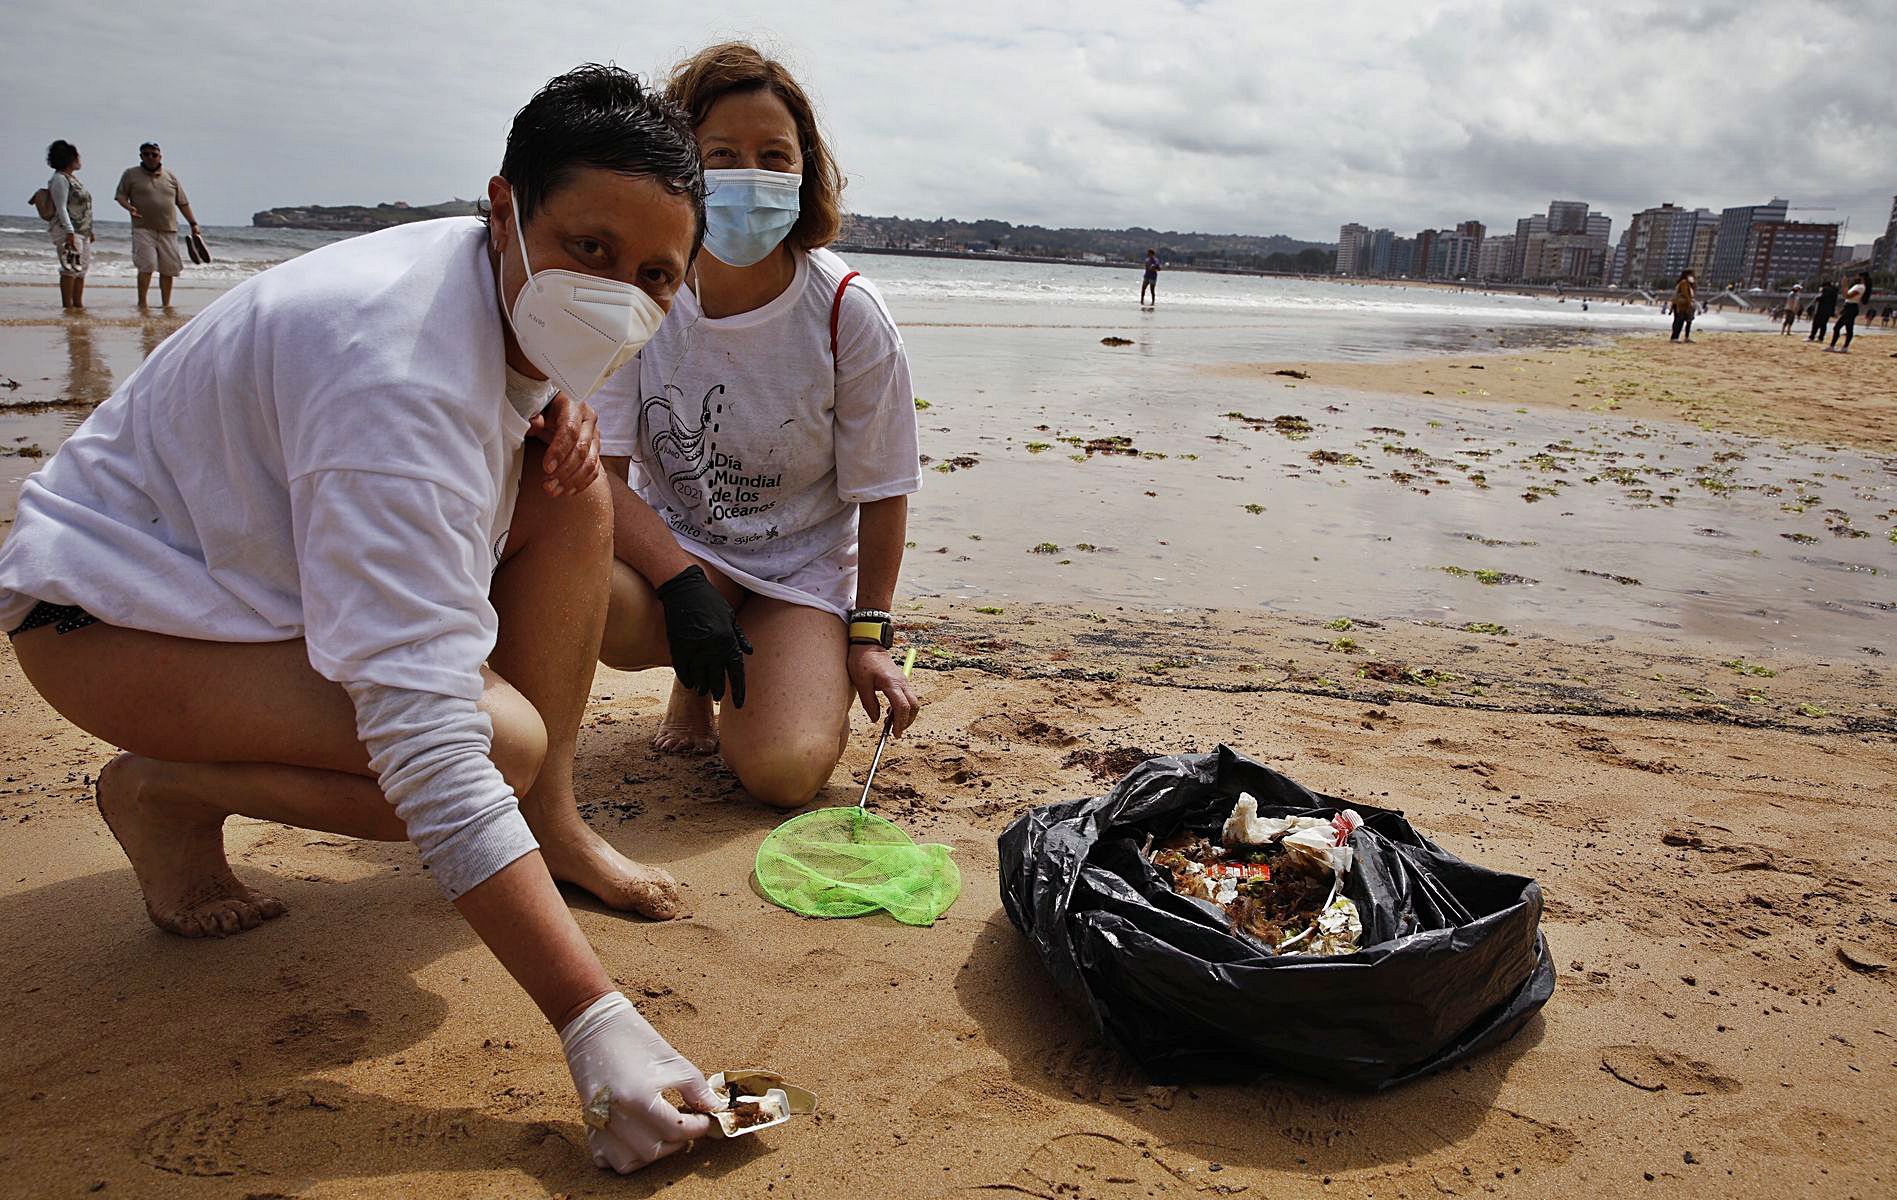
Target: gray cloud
[{"x": 1226, "y": 115}]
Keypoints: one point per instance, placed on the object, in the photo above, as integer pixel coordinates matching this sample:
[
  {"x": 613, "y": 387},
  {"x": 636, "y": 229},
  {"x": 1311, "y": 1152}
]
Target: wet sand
[{"x": 1712, "y": 831}]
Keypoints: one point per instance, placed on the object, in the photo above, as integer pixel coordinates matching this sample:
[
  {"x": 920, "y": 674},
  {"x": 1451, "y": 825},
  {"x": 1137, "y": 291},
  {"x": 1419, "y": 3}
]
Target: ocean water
[
  {"x": 1311, "y": 316},
  {"x": 26, "y": 252},
  {"x": 1591, "y": 522}
]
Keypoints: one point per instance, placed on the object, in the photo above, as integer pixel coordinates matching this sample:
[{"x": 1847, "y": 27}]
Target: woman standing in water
[
  {"x": 762, "y": 456},
  {"x": 300, "y": 568},
  {"x": 71, "y": 226},
  {"x": 1149, "y": 280}
]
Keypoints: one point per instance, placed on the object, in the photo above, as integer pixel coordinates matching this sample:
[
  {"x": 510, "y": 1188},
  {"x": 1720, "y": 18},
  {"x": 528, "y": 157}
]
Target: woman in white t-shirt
[
  {"x": 300, "y": 567},
  {"x": 762, "y": 456}
]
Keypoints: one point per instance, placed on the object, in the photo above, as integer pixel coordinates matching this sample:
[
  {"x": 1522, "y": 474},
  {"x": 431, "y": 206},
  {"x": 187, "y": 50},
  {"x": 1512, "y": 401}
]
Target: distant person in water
[
  {"x": 1854, "y": 301},
  {"x": 1683, "y": 307},
  {"x": 1149, "y": 283},
  {"x": 71, "y": 225},
  {"x": 1822, "y": 310},
  {"x": 154, "y": 198}
]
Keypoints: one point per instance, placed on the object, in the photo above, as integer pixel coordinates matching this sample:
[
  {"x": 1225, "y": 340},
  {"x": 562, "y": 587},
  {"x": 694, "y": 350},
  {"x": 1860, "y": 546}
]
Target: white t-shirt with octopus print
[{"x": 757, "y": 448}]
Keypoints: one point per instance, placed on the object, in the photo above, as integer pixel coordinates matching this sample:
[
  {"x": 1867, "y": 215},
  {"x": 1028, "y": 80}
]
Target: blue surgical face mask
[{"x": 748, "y": 212}]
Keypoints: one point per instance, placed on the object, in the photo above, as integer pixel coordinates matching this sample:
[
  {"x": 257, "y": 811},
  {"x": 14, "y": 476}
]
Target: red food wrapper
[{"x": 1238, "y": 870}]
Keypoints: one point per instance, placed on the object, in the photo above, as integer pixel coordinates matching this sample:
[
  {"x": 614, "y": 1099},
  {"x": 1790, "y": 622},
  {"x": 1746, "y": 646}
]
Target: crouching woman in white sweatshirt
[{"x": 305, "y": 566}]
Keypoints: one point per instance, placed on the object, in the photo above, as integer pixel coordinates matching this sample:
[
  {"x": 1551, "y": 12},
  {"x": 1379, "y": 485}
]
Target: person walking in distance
[
  {"x": 1149, "y": 282},
  {"x": 1683, "y": 307},
  {"x": 154, "y": 198},
  {"x": 1822, "y": 310},
  {"x": 1854, "y": 301},
  {"x": 1791, "y": 314}
]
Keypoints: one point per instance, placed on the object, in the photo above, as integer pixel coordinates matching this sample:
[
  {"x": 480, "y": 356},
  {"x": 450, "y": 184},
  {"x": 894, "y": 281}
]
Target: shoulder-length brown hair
[{"x": 718, "y": 71}]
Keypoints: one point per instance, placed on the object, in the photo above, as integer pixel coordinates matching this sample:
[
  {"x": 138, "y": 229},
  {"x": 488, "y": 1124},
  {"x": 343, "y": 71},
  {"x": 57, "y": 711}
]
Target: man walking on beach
[
  {"x": 154, "y": 197},
  {"x": 1822, "y": 310}
]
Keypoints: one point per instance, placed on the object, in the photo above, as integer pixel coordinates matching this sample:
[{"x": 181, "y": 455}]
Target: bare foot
[
  {"x": 577, "y": 855},
  {"x": 176, "y": 847},
  {"x": 690, "y": 724}
]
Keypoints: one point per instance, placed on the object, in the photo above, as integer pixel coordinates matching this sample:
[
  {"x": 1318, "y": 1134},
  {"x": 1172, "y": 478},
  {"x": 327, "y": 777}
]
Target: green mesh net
[{"x": 845, "y": 862}]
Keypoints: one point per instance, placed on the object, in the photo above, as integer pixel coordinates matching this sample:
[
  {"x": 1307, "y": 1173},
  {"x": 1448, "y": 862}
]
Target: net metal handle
[{"x": 889, "y": 722}]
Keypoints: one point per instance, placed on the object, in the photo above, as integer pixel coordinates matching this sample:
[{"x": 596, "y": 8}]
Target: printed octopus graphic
[{"x": 683, "y": 449}]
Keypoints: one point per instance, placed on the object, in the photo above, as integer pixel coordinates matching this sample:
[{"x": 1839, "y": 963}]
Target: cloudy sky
[{"x": 1221, "y": 116}]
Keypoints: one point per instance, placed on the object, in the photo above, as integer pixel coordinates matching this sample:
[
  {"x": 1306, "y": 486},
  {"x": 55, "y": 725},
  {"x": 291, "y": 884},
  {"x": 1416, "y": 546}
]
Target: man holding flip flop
[{"x": 154, "y": 198}]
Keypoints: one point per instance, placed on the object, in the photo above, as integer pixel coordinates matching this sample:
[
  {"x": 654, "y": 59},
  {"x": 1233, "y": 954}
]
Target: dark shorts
[{"x": 64, "y": 618}]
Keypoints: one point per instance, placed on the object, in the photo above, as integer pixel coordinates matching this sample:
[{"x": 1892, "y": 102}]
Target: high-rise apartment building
[
  {"x": 1425, "y": 254},
  {"x": 1567, "y": 244},
  {"x": 1567, "y": 216},
  {"x": 1884, "y": 257},
  {"x": 1729, "y": 246},
  {"x": 1350, "y": 239},
  {"x": 1665, "y": 241},
  {"x": 1375, "y": 258},
  {"x": 1705, "y": 232},
  {"x": 1403, "y": 256},
  {"x": 1495, "y": 257},
  {"x": 1787, "y": 252},
  {"x": 1530, "y": 233},
  {"x": 1689, "y": 244},
  {"x": 1454, "y": 256}
]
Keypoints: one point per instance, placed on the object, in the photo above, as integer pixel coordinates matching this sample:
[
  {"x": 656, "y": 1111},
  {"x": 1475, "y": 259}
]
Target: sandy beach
[
  {"x": 1760, "y": 384},
  {"x": 1712, "y": 833}
]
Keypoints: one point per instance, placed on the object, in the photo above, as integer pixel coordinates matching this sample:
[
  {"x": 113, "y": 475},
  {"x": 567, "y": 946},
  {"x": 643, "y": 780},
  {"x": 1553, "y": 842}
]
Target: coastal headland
[{"x": 358, "y": 218}]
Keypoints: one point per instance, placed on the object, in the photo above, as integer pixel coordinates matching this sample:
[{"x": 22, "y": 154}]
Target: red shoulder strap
[{"x": 836, "y": 310}]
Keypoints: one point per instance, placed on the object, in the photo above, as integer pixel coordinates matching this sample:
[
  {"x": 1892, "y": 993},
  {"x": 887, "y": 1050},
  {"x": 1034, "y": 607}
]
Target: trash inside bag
[
  {"x": 1434, "y": 959},
  {"x": 1275, "y": 878}
]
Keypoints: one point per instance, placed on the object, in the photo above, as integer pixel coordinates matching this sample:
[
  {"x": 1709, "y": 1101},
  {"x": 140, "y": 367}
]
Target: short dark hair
[
  {"x": 144, "y": 146},
  {"x": 61, "y": 154},
  {"x": 602, "y": 117}
]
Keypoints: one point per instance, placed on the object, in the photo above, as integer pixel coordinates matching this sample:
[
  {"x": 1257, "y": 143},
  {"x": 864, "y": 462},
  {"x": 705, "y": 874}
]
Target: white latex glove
[{"x": 620, "y": 1065}]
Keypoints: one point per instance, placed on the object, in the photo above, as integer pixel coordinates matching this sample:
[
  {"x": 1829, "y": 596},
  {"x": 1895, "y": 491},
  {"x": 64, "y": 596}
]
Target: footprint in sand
[
  {"x": 1654, "y": 1070},
  {"x": 1093, "y": 1071},
  {"x": 427, "y": 1129},
  {"x": 979, "y": 1094},
  {"x": 1010, "y": 727},
  {"x": 204, "y": 1141},
  {"x": 328, "y": 1038},
  {"x": 1099, "y": 1167},
  {"x": 657, "y": 1001}
]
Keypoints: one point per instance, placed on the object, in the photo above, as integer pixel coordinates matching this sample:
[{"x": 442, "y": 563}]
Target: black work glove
[{"x": 703, "y": 632}]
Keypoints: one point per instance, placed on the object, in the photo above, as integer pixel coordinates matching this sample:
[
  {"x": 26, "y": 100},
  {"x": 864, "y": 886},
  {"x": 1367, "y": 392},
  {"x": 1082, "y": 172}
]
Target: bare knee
[
  {"x": 581, "y": 523},
  {"x": 635, "y": 624},
  {"x": 519, "y": 748},
  {"x": 786, "y": 776}
]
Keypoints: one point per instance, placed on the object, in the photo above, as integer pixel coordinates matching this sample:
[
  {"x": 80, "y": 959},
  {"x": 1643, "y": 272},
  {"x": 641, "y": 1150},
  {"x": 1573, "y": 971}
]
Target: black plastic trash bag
[{"x": 1452, "y": 959}]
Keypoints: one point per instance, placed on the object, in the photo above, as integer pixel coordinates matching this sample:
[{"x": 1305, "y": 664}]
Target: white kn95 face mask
[{"x": 578, "y": 329}]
